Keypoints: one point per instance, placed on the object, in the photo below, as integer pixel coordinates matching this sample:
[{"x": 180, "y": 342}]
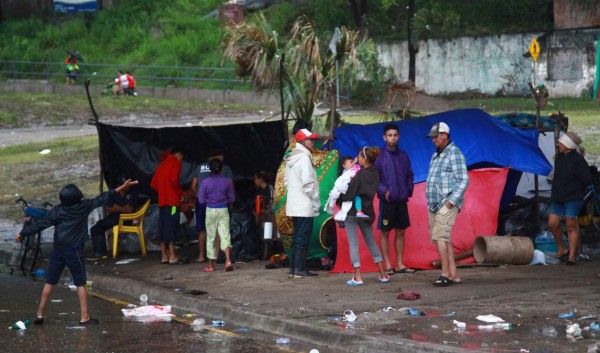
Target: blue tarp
[{"x": 483, "y": 139}]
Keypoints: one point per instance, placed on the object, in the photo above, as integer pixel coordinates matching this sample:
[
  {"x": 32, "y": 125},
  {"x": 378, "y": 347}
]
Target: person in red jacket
[{"x": 166, "y": 183}]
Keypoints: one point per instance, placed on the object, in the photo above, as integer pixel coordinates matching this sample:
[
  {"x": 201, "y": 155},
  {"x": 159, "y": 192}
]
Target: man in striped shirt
[{"x": 447, "y": 182}]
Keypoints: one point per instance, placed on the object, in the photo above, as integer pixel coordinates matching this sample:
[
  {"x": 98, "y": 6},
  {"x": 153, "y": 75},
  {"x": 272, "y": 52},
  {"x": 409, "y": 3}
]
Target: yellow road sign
[{"x": 534, "y": 49}]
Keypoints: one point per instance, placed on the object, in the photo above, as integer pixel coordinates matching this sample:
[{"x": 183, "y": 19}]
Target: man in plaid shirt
[{"x": 447, "y": 182}]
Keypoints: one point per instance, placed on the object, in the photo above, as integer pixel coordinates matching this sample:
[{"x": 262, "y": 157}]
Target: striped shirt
[{"x": 447, "y": 179}]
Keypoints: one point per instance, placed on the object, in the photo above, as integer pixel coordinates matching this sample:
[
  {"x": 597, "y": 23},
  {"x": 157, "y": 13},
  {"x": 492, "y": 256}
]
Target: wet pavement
[
  {"x": 310, "y": 311},
  {"x": 116, "y": 333}
]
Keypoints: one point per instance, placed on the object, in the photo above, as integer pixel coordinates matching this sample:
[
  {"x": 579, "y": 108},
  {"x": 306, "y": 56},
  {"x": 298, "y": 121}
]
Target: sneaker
[{"x": 361, "y": 215}]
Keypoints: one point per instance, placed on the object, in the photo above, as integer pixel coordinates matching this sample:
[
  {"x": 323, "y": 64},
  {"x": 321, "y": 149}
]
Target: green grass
[
  {"x": 38, "y": 178},
  {"x": 26, "y": 109}
]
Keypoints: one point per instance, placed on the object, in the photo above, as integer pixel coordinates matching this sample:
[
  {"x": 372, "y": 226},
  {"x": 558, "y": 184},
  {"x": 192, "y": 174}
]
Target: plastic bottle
[
  {"x": 40, "y": 273},
  {"x": 20, "y": 325},
  {"x": 282, "y": 341}
]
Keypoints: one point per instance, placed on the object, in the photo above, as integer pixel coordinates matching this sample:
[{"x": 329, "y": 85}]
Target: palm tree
[{"x": 298, "y": 66}]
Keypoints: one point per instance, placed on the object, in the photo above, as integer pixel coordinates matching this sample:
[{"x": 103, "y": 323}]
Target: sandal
[
  {"x": 389, "y": 271},
  {"x": 179, "y": 261},
  {"x": 38, "y": 321},
  {"x": 571, "y": 263},
  {"x": 385, "y": 279},
  {"x": 442, "y": 281},
  {"x": 229, "y": 268},
  {"x": 353, "y": 282},
  {"x": 405, "y": 270},
  {"x": 208, "y": 269}
]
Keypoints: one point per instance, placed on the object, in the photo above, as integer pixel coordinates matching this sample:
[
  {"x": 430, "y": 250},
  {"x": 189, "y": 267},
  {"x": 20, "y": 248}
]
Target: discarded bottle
[
  {"x": 282, "y": 341},
  {"x": 40, "y": 273},
  {"x": 568, "y": 315},
  {"x": 595, "y": 326},
  {"x": 20, "y": 325},
  {"x": 218, "y": 323},
  {"x": 349, "y": 316}
]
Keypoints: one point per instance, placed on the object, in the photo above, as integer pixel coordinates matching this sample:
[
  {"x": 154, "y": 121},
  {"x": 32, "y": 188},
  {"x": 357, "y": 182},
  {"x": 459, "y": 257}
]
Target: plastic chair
[{"x": 138, "y": 228}]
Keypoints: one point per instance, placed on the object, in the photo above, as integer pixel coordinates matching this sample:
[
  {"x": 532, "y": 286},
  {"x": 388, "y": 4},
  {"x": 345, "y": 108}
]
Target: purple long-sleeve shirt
[
  {"x": 395, "y": 175},
  {"x": 216, "y": 191}
]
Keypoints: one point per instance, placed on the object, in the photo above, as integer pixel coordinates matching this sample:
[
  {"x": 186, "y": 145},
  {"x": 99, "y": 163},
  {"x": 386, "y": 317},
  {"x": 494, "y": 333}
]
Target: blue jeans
[{"x": 302, "y": 231}]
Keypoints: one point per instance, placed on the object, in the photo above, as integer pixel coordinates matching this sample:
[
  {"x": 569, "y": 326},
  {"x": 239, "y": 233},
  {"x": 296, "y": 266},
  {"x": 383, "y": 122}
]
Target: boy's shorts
[
  {"x": 393, "y": 215},
  {"x": 72, "y": 259}
]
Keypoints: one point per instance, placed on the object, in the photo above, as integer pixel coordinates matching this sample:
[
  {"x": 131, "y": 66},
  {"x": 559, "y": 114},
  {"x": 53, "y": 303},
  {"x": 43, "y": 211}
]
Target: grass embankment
[{"x": 39, "y": 177}]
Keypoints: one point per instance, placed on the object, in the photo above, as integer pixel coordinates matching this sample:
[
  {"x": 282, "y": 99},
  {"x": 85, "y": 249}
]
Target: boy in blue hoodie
[{"x": 70, "y": 232}]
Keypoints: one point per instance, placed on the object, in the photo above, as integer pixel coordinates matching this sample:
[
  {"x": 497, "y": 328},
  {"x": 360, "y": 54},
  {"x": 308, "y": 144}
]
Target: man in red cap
[{"x": 303, "y": 201}]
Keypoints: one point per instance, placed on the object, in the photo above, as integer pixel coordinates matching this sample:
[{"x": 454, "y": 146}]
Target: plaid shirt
[{"x": 447, "y": 179}]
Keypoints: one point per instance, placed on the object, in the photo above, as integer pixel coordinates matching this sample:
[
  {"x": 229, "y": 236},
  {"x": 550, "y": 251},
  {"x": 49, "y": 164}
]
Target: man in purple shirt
[
  {"x": 216, "y": 192},
  {"x": 395, "y": 188}
]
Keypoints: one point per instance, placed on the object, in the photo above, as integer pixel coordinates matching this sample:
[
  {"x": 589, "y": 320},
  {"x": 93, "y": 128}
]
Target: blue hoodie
[{"x": 395, "y": 175}]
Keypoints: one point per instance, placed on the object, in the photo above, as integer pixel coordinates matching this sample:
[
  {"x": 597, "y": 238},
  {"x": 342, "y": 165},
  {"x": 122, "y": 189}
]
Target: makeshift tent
[
  {"x": 485, "y": 142},
  {"x": 133, "y": 152}
]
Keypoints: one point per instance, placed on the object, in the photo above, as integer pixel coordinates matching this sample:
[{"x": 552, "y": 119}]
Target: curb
[{"x": 334, "y": 339}]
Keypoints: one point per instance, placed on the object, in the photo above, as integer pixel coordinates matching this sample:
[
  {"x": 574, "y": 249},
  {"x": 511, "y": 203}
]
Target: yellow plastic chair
[{"x": 138, "y": 228}]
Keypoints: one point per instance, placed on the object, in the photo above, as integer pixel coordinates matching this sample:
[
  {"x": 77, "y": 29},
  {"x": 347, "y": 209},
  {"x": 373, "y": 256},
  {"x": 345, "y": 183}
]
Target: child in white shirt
[{"x": 341, "y": 186}]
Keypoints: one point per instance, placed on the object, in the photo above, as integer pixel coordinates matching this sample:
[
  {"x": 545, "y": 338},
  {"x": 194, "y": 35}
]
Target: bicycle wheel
[{"x": 29, "y": 253}]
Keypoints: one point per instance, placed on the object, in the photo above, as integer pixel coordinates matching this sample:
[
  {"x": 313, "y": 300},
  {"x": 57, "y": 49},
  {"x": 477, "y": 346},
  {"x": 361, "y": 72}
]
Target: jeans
[
  {"x": 367, "y": 232},
  {"x": 302, "y": 231}
]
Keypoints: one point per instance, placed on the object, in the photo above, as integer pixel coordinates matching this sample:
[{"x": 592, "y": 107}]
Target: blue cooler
[{"x": 545, "y": 242}]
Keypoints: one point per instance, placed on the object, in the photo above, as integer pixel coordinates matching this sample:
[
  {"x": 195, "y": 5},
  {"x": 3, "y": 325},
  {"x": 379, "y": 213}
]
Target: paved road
[
  {"x": 61, "y": 332},
  {"x": 9, "y": 137}
]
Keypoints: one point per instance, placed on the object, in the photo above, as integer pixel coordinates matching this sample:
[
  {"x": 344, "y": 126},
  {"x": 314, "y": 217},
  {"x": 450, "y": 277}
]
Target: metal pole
[{"x": 538, "y": 98}]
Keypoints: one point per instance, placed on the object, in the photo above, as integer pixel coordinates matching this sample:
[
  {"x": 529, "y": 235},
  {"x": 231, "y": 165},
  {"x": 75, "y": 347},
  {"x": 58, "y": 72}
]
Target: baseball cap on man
[
  {"x": 438, "y": 128},
  {"x": 304, "y": 134}
]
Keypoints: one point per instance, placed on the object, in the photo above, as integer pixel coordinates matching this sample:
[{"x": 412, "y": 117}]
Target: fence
[{"x": 145, "y": 76}]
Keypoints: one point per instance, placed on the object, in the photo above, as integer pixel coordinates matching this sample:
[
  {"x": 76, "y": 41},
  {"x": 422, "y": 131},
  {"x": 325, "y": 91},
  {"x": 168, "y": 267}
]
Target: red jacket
[{"x": 166, "y": 182}]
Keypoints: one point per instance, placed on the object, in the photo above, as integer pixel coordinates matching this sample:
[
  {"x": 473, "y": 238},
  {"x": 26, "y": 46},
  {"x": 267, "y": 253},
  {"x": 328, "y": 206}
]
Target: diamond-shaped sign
[{"x": 534, "y": 49}]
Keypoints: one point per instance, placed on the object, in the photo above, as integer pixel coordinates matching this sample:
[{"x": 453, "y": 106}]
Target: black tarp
[{"x": 133, "y": 152}]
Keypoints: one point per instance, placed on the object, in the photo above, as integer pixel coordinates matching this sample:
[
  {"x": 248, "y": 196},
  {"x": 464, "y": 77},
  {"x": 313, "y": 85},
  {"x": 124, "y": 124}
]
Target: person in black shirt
[{"x": 569, "y": 185}]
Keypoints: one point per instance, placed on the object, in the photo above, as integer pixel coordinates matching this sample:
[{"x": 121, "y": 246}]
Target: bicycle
[
  {"x": 30, "y": 251},
  {"x": 590, "y": 212}
]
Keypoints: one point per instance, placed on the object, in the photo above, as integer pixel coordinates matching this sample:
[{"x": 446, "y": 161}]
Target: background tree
[{"x": 300, "y": 66}]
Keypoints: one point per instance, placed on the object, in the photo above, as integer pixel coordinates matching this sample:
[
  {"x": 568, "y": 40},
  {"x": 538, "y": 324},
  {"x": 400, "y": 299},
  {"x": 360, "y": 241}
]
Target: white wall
[{"x": 495, "y": 64}]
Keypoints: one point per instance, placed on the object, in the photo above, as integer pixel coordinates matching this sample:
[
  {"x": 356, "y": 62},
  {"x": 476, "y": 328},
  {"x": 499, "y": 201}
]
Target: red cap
[{"x": 304, "y": 134}]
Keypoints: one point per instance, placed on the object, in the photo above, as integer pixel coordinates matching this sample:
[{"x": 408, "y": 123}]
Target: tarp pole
[
  {"x": 95, "y": 123},
  {"x": 538, "y": 104}
]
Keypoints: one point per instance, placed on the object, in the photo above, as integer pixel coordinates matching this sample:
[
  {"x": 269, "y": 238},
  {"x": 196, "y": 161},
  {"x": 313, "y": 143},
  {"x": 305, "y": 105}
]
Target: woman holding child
[{"x": 363, "y": 184}]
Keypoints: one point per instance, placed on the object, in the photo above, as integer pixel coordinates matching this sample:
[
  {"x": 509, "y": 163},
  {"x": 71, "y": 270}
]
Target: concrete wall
[
  {"x": 495, "y": 64},
  {"x": 576, "y": 14}
]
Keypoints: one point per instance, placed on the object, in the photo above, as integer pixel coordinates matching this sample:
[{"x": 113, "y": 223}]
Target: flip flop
[
  {"x": 385, "y": 279},
  {"x": 563, "y": 256},
  {"x": 405, "y": 270},
  {"x": 353, "y": 282},
  {"x": 389, "y": 271},
  {"x": 208, "y": 269},
  {"x": 200, "y": 260},
  {"x": 229, "y": 268},
  {"x": 455, "y": 281},
  {"x": 442, "y": 281},
  {"x": 38, "y": 321},
  {"x": 571, "y": 263},
  {"x": 165, "y": 262},
  {"x": 178, "y": 262}
]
